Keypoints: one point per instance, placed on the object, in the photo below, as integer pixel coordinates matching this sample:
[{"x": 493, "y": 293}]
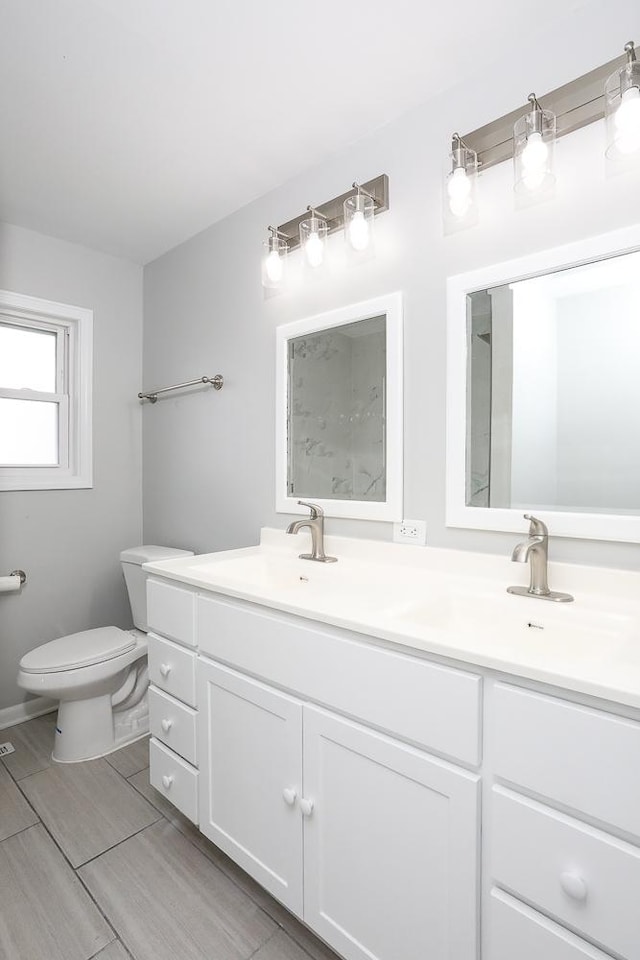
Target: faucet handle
[
  {"x": 316, "y": 509},
  {"x": 537, "y": 527}
]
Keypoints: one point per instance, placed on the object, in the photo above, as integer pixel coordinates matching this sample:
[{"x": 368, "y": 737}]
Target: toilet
[{"x": 99, "y": 676}]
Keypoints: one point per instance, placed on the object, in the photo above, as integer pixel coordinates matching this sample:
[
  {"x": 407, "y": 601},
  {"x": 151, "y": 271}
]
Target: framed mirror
[
  {"x": 543, "y": 396},
  {"x": 339, "y": 402}
]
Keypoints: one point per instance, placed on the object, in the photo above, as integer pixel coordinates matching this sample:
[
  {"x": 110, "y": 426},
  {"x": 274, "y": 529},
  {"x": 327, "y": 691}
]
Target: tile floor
[{"x": 94, "y": 863}]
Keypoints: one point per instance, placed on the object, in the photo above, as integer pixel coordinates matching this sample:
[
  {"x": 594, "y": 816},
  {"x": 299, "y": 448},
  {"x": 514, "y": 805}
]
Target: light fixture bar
[
  {"x": 575, "y": 104},
  {"x": 332, "y": 211}
]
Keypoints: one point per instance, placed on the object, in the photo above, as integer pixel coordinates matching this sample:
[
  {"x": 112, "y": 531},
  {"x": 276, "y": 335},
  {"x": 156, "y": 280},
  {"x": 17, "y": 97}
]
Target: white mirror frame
[
  {"x": 391, "y": 509},
  {"x": 592, "y": 526}
]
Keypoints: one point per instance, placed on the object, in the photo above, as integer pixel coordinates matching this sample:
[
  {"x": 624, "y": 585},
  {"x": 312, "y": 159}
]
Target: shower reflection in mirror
[
  {"x": 340, "y": 411},
  {"x": 553, "y": 391}
]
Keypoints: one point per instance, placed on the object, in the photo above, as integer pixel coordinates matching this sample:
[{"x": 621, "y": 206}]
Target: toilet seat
[{"x": 78, "y": 650}]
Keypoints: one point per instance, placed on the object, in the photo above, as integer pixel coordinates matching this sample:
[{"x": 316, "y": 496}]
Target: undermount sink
[
  {"x": 349, "y": 585},
  {"x": 495, "y": 614}
]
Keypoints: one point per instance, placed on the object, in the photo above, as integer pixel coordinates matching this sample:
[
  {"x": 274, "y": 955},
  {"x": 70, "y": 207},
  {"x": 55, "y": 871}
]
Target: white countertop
[{"x": 446, "y": 602}]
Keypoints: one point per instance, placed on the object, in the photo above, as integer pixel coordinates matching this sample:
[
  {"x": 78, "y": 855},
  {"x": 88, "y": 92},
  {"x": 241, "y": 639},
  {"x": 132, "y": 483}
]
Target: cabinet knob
[
  {"x": 306, "y": 806},
  {"x": 166, "y": 782},
  {"x": 166, "y": 725},
  {"x": 165, "y": 669},
  {"x": 289, "y": 795},
  {"x": 573, "y": 885}
]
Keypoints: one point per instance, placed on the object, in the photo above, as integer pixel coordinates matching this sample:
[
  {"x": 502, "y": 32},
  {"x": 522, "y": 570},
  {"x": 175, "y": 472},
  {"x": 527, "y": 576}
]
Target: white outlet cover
[{"x": 411, "y": 531}]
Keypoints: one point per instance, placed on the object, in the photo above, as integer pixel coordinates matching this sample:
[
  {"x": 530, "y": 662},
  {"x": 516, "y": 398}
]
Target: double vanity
[{"x": 413, "y": 761}]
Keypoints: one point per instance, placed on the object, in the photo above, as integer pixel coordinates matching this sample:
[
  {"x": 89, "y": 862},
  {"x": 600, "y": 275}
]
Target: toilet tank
[{"x": 136, "y": 579}]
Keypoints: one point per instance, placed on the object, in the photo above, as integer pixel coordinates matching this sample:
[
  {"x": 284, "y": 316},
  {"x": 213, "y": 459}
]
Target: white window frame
[{"x": 73, "y": 327}]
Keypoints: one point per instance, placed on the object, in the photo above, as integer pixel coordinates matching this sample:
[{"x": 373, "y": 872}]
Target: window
[{"x": 45, "y": 394}]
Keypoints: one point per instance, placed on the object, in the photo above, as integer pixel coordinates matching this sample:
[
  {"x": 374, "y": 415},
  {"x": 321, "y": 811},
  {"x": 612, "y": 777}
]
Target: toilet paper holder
[{"x": 13, "y": 581}]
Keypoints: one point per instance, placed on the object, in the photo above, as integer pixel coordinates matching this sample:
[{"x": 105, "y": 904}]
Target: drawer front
[
  {"x": 174, "y": 779},
  {"x": 583, "y": 758},
  {"x": 172, "y": 668},
  {"x": 519, "y": 933},
  {"x": 432, "y": 706},
  {"x": 173, "y": 723},
  {"x": 171, "y": 611},
  {"x": 580, "y": 876}
]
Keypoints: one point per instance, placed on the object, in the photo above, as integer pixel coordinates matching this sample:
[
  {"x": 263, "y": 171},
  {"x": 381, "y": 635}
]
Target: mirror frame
[
  {"x": 592, "y": 526},
  {"x": 391, "y": 508}
]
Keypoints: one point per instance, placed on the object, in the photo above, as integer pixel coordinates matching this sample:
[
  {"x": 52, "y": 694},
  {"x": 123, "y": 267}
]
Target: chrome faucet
[
  {"x": 535, "y": 550},
  {"x": 316, "y": 526}
]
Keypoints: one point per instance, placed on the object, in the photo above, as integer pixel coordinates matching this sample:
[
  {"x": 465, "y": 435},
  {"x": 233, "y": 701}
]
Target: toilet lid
[{"x": 78, "y": 650}]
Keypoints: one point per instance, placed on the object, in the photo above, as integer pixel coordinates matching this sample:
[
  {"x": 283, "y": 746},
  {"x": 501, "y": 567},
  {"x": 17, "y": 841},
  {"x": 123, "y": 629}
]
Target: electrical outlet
[{"x": 410, "y": 531}]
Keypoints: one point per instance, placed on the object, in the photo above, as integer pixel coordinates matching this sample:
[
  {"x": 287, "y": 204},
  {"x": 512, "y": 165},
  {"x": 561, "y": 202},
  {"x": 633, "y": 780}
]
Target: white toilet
[{"x": 100, "y": 676}]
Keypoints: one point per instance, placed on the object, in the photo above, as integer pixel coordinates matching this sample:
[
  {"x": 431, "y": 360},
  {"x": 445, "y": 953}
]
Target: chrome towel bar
[{"x": 216, "y": 382}]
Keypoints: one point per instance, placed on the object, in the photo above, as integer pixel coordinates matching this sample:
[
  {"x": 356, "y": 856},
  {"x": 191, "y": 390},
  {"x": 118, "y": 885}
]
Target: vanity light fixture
[
  {"x": 359, "y": 211},
  {"x": 461, "y": 179},
  {"x": 534, "y": 136},
  {"x": 354, "y": 211},
  {"x": 611, "y": 90},
  {"x": 313, "y": 237},
  {"x": 622, "y": 107},
  {"x": 274, "y": 259}
]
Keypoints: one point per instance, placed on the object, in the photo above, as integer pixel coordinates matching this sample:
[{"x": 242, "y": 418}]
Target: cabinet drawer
[
  {"x": 172, "y": 668},
  {"x": 174, "y": 779},
  {"x": 583, "y": 758},
  {"x": 582, "y": 877},
  {"x": 171, "y": 611},
  {"x": 516, "y": 931},
  {"x": 173, "y": 723},
  {"x": 432, "y": 706}
]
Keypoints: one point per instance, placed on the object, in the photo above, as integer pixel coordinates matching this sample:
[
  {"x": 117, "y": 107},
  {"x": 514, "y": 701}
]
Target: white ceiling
[{"x": 130, "y": 125}]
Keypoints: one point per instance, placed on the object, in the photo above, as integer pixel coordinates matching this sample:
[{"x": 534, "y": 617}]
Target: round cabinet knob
[
  {"x": 573, "y": 885},
  {"x": 166, "y": 725},
  {"x": 306, "y": 806},
  {"x": 165, "y": 669},
  {"x": 289, "y": 795},
  {"x": 166, "y": 782}
]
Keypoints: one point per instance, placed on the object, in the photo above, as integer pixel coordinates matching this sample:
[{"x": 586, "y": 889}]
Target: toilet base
[{"x": 85, "y": 728}]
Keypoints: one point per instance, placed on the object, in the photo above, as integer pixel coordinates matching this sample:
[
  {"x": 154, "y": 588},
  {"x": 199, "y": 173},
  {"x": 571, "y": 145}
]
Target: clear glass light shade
[
  {"x": 313, "y": 240},
  {"x": 275, "y": 252},
  {"x": 460, "y": 195},
  {"x": 622, "y": 112},
  {"x": 358, "y": 221},
  {"x": 534, "y": 138}
]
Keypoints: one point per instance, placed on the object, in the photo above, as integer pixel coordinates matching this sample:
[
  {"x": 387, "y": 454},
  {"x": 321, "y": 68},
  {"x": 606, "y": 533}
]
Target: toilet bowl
[{"x": 99, "y": 676}]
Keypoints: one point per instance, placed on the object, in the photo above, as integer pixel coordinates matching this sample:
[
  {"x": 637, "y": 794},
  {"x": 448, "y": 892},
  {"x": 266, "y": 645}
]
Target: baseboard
[{"x": 9, "y": 716}]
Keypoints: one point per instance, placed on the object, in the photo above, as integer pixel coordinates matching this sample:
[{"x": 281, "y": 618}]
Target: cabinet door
[
  {"x": 250, "y": 748},
  {"x": 391, "y": 846}
]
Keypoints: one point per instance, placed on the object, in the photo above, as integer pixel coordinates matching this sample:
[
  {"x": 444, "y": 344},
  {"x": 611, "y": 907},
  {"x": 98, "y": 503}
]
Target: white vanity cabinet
[
  {"x": 173, "y": 767},
  {"x": 370, "y": 840},
  {"x": 345, "y": 774},
  {"x": 563, "y": 857}
]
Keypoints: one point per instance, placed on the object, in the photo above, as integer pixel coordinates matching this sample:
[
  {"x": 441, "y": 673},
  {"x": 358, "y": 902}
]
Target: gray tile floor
[{"x": 94, "y": 863}]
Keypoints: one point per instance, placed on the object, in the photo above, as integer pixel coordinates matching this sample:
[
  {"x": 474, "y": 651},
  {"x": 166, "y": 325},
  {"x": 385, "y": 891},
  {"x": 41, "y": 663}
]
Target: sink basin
[
  {"x": 350, "y": 587},
  {"x": 584, "y": 632}
]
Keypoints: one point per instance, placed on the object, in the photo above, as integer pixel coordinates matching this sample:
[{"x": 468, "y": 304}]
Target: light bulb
[
  {"x": 274, "y": 266},
  {"x": 627, "y": 121},
  {"x": 534, "y": 155},
  {"x": 534, "y": 161},
  {"x": 459, "y": 192},
  {"x": 314, "y": 249},
  {"x": 359, "y": 231}
]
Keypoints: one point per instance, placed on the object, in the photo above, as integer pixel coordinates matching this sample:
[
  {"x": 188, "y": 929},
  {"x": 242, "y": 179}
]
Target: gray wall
[
  {"x": 68, "y": 540},
  {"x": 209, "y": 458}
]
